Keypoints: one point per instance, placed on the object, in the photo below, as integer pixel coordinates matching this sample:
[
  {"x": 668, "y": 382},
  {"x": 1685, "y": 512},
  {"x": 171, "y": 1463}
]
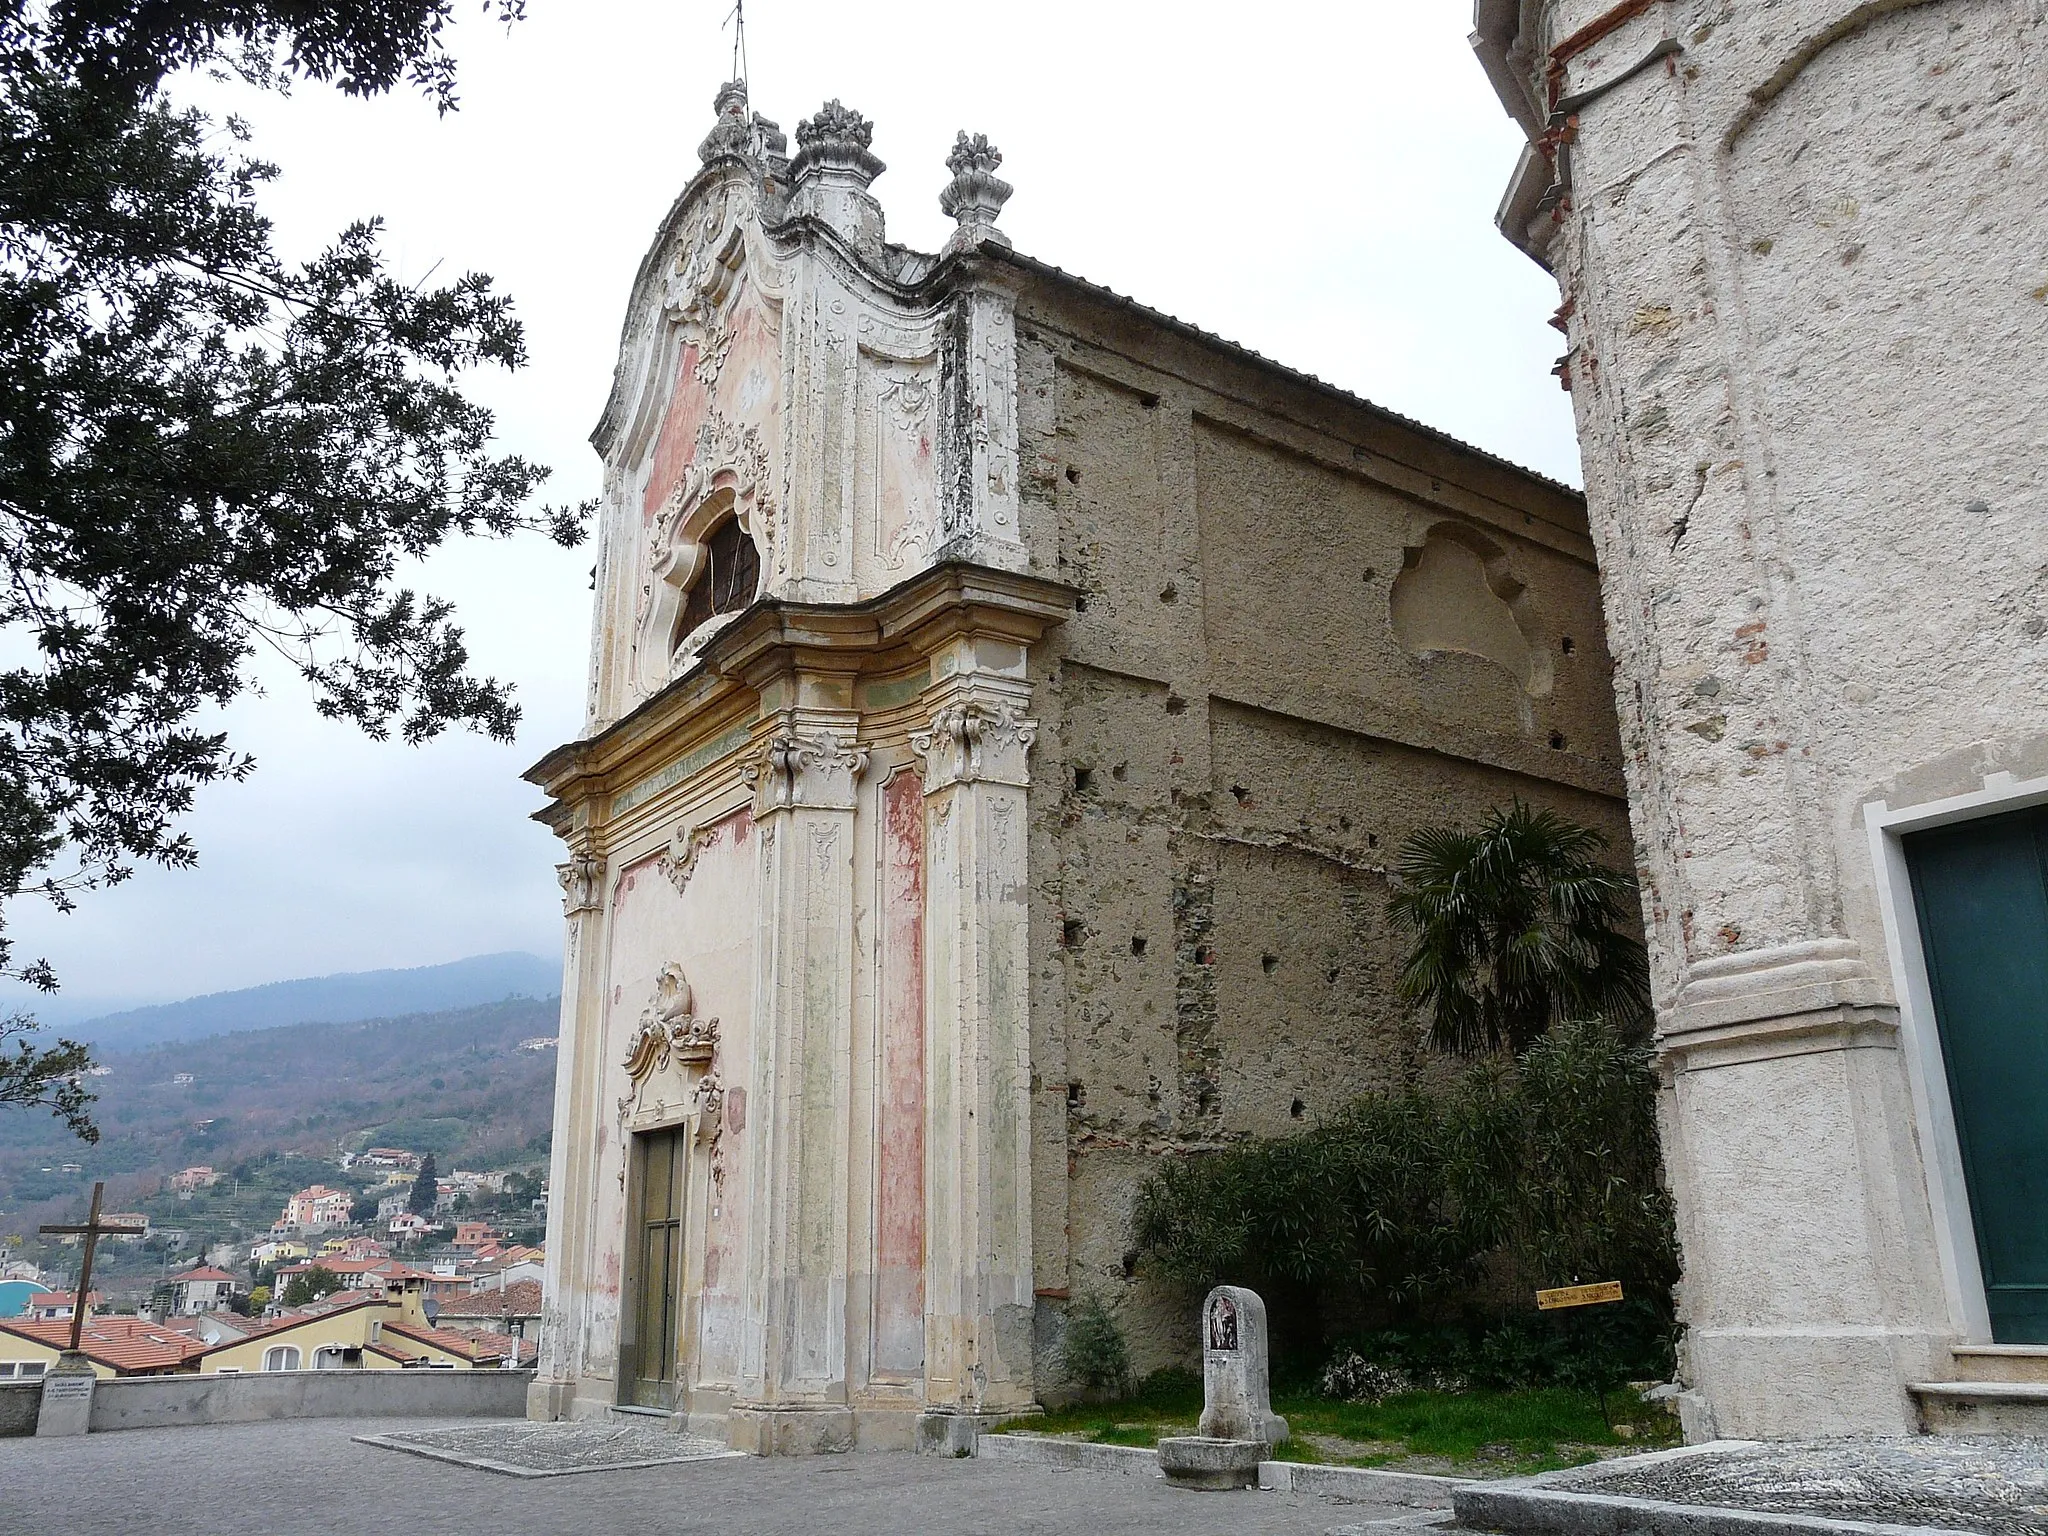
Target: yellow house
[
  {"x": 116, "y": 1346},
  {"x": 362, "y": 1332}
]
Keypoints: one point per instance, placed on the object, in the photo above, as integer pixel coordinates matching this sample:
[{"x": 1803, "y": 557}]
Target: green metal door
[
  {"x": 655, "y": 1279},
  {"x": 1981, "y": 888}
]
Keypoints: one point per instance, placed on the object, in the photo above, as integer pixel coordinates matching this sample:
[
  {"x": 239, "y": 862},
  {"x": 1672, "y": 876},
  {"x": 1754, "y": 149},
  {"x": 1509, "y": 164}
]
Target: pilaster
[
  {"x": 978, "y": 1267},
  {"x": 793, "y": 1389},
  {"x": 978, "y": 430},
  {"x": 571, "y": 1245}
]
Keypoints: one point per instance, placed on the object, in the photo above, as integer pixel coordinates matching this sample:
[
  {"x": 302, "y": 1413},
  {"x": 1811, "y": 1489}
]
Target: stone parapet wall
[
  {"x": 19, "y": 1403},
  {"x": 157, "y": 1402}
]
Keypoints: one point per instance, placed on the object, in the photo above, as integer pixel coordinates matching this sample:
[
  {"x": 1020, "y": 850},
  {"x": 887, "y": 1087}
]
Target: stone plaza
[{"x": 225, "y": 1482}]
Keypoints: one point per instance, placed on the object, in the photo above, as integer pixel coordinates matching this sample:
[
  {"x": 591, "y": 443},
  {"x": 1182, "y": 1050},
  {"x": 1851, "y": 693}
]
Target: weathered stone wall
[
  {"x": 1275, "y": 676},
  {"x": 1801, "y": 249},
  {"x": 20, "y": 1402}
]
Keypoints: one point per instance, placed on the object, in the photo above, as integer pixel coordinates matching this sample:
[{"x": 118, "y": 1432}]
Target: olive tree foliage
[{"x": 206, "y": 449}]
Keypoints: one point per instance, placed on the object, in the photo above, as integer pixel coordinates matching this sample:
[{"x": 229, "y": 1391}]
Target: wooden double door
[
  {"x": 1981, "y": 890},
  {"x": 651, "y": 1347}
]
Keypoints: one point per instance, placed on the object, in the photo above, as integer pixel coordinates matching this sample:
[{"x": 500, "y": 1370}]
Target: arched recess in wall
[{"x": 1456, "y": 593}]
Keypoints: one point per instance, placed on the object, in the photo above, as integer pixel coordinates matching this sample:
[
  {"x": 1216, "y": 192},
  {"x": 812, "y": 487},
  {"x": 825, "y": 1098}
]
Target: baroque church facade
[
  {"x": 1004, "y": 702},
  {"x": 1801, "y": 249}
]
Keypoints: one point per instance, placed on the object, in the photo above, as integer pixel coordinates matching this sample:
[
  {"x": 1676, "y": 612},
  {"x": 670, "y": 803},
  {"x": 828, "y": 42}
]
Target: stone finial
[
  {"x": 731, "y": 134},
  {"x": 837, "y": 139},
  {"x": 975, "y": 195},
  {"x": 742, "y": 135},
  {"x": 831, "y": 172}
]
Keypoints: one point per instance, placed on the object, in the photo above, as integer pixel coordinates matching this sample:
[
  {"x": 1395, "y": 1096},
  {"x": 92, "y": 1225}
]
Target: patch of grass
[
  {"x": 1487, "y": 1434},
  {"x": 1538, "y": 1430},
  {"x": 1125, "y": 1434},
  {"x": 1294, "y": 1448}
]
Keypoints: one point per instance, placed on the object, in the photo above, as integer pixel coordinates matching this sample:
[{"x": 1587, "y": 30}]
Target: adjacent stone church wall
[
  {"x": 1305, "y": 631},
  {"x": 1802, "y": 253}
]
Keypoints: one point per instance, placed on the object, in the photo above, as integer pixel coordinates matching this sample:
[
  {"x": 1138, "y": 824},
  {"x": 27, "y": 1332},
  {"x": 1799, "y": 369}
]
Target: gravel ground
[
  {"x": 308, "y": 1478},
  {"x": 1998, "y": 1486}
]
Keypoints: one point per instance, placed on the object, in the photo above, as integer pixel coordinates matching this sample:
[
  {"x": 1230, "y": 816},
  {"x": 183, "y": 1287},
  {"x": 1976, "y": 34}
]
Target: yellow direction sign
[{"x": 1578, "y": 1295}]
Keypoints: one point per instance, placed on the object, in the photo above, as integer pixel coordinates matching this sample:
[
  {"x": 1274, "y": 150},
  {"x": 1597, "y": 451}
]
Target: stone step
[
  {"x": 1983, "y": 1407},
  {"x": 2002, "y": 1362}
]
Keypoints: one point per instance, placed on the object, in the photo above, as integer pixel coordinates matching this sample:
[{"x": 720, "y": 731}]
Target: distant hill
[
  {"x": 341, "y": 999},
  {"x": 458, "y": 1083}
]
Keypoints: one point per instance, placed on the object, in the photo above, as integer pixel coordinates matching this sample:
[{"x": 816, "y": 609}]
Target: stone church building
[
  {"x": 1803, "y": 248},
  {"x": 1003, "y": 702}
]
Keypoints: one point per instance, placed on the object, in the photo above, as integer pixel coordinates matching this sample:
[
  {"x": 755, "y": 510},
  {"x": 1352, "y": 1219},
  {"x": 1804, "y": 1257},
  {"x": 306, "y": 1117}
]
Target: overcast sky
[{"x": 1315, "y": 181}]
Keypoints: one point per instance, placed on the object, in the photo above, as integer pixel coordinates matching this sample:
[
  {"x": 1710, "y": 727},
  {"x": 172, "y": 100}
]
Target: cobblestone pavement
[
  {"x": 548, "y": 1450},
  {"x": 1998, "y": 1486},
  {"x": 307, "y": 1477}
]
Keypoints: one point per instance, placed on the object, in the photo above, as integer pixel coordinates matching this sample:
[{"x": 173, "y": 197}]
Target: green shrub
[
  {"x": 1419, "y": 1205},
  {"x": 1380, "y": 1200},
  {"x": 1094, "y": 1355}
]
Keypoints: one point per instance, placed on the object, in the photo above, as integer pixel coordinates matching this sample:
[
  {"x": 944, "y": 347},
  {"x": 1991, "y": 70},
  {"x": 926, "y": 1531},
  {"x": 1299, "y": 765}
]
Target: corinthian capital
[
  {"x": 974, "y": 742},
  {"x": 818, "y": 770}
]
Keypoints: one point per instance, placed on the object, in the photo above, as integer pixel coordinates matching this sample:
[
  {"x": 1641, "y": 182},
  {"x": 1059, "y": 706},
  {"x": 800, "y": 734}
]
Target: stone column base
[
  {"x": 790, "y": 1429},
  {"x": 1798, "y": 1383},
  {"x": 66, "y": 1408},
  {"x": 951, "y": 1432},
  {"x": 548, "y": 1401}
]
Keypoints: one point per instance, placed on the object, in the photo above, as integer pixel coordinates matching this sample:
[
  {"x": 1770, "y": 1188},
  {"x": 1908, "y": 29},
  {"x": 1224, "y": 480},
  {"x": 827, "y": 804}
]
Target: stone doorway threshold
[
  {"x": 551, "y": 1450},
  {"x": 1947, "y": 1486}
]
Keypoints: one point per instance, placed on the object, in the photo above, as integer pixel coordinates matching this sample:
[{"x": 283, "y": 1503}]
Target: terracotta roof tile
[
  {"x": 469, "y": 1347},
  {"x": 130, "y": 1346},
  {"x": 519, "y": 1299}
]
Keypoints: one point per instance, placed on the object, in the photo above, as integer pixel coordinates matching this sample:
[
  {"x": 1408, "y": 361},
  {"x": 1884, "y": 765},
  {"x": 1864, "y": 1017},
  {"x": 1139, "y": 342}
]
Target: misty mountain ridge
[
  {"x": 473, "y": 1085},
  {"x": 346, "y": 998}
]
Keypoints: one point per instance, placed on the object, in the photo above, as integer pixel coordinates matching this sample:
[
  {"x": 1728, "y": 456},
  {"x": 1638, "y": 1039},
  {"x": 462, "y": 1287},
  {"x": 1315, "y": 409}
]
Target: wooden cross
[{"x": 93, "y": 1230}]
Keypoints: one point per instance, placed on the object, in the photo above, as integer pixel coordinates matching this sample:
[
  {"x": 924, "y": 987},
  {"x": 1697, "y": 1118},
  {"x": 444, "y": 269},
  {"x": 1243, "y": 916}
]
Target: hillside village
[{"x": 393, "y": 1266}]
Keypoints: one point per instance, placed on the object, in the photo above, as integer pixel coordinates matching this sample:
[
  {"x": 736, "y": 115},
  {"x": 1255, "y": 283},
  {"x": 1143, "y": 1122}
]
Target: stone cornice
[{"x": 774, "y": 638}]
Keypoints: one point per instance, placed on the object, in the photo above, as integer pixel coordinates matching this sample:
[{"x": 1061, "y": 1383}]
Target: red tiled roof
[
  {"x": 341, "y": 1266},
  {"x": 519, "y": 1299},
  {"x": 65, "y": 1299},
  {"x": 470, "y": 1347},
  {"x": 205, "y": 1272},
  {"x": 130, "y": 1346}
]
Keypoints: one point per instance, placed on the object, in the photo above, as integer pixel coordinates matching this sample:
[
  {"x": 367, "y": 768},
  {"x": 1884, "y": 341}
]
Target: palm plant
[{"x": 1516, "y": 926}]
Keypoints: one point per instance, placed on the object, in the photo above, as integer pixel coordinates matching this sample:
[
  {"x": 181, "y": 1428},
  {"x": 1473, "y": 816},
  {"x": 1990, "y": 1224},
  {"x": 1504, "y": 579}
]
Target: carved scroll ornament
[
  {"x": 678, "y": 862},
  {"x": 669, "y": 1031}
]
